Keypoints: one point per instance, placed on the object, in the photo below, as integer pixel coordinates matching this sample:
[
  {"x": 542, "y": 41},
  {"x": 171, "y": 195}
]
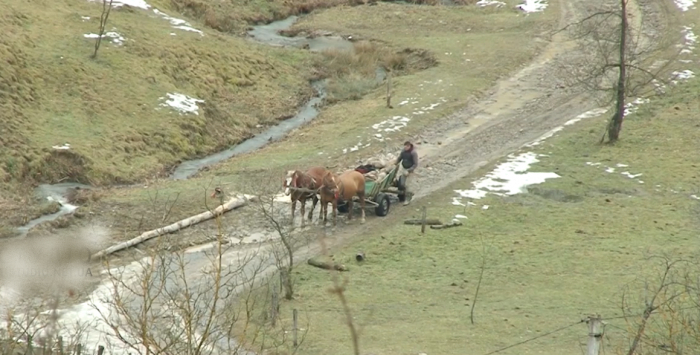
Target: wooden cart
[{"x": 377, "y": 193}]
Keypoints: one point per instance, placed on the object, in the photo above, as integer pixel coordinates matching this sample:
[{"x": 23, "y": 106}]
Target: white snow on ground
[
  {"x": 682, "y": 75},
  {"x": 396, "y": 123},
  {"x": 508, "y": 178},
  {"x": 633, "y": 106},
  {"x": 495, "y": 3},
  {"x": 588, "y": 114},
  {"x": 356, "y": 147},
  {"x": 690, "y": 40},
  {"x": 685, "y": 5},
  {"x": 66, "y": 146},
  {"x": 116, "y": 37},
  {"x": 182, "y": 103},
  {"x": 142, "y": 4},
  {"x": 610, "y": 170},
  {"x": 178, "y": 23},
  {"x": 133, "y": 3},
  {"x": 533, "y": 6}
]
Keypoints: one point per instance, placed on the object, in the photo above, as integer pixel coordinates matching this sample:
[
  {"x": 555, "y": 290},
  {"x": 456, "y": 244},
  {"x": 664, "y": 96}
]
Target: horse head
[
  {"x": 330, "y": 184},
  {"x": 289, "y": 181}
]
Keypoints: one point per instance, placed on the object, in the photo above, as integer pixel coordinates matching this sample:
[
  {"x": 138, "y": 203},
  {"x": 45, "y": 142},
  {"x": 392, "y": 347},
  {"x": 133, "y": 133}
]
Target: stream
[
  {"x": 267, "y": 34},
  {"x": 196, "y": 259}
]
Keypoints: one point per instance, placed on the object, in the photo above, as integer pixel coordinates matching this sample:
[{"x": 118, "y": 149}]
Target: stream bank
[{"x": 268, "y": 34}]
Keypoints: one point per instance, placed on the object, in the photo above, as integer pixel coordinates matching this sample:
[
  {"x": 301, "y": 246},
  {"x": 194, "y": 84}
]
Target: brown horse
[
  {"x": 346, "y": 186},
  {"x": 311, "y": 180}
]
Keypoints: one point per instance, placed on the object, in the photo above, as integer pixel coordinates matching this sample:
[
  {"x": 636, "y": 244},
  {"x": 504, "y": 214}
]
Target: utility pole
[{"x": 595, "y": 334}]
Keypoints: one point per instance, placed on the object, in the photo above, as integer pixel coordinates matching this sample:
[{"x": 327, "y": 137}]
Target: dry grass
[
  {"x": 236, "y": 15},
  {"x": 353, "y": 74},
  {"x": 52, "y": 93}
]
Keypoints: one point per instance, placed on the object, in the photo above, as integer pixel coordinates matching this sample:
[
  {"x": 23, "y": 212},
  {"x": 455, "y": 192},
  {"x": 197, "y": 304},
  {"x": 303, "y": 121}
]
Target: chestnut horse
[
  {"x": 311, "y": 180},
  {"x": 346, "y": 186}
]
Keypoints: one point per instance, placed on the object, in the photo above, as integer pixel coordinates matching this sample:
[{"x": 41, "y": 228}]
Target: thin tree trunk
[{"x": 616, "y": 122}]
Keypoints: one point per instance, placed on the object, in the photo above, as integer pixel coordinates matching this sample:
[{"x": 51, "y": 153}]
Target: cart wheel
[
  {"x": 383, "y": 204},
  {"x": 342, "y": 207}
]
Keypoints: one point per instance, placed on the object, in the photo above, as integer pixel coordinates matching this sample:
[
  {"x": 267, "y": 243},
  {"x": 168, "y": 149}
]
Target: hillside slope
[{"x": 111, "y": 110}]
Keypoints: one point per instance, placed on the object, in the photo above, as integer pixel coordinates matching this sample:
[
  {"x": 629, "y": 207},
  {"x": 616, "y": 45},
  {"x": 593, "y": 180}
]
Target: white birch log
[{"x": 233, "y": 203}]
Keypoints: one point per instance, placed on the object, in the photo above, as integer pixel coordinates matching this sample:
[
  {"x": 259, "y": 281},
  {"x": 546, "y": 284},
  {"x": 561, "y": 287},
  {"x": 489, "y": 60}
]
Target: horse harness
[{"x": 310, "y": 193}]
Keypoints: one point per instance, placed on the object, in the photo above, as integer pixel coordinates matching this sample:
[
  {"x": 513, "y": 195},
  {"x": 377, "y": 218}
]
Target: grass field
[
  {"x": 470, "y": 58},
  {"x": 110, "y": 110},
  {"x": 561, "y": 251}
]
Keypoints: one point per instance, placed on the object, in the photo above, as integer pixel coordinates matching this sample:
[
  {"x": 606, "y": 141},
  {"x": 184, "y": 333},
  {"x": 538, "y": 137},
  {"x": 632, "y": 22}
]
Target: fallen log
[
  {"x": 327, "y": 265},
  {"x": 233, "y": 203},
  {"x": 428, "y": 222},
  {"x": 449, "y": 225}
]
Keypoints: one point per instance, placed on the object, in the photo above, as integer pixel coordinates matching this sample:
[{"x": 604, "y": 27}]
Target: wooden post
[
  {"x": 595, "y": 334},
  {"x": 423, "y": 220},
  {"x": 100, "y": 350},
  {"x": 388, "y": 88},
  {"x": 294, "y": 317},
  {"x": 60, "y": 345},
  {"x": 273, "y": 310},
  {"x": 78, "y": 349}
]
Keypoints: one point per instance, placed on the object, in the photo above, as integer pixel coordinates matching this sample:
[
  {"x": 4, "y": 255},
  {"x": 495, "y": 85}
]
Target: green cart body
[{"x": 377, "y": 194}]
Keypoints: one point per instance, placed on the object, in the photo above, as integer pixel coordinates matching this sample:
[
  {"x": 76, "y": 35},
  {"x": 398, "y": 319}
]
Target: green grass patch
[
  {"x": 561, "y": 251},
  {"x": 473, "y": 47}
]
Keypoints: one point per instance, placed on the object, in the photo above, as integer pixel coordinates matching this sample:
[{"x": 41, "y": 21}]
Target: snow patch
[
  {"x": 533, "y": 6},
  {"x": 142, "y": 4},
  {"x": 116, "y": 37},
  {"x": 682, "y": 75},
  {"x": 685, "y": 5},
  {"x": 632, "y": 107},
  {"x": 182, "y": 103},
  {"x": 65, "y": 146},
  {"x": 610, "y": 170},
  {"x": 588, "y": 114},
  {"x": 508, "y": 178},
  {"x": 484, "y": 3},
  {"x": 85, "y": 18},
  {"x": 178, "y": 23}
]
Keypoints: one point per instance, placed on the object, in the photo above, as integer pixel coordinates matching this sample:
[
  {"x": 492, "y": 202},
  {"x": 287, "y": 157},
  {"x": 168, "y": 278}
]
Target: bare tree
[
  {"x": 177, "y": 302},
  {"x": 104, "y": 16},
  {"x": 286, "y": 239},
  {"x": 614, "y": 63},
  {"x": 482, "y": 268},
  {"x": 664, "y": 317}
]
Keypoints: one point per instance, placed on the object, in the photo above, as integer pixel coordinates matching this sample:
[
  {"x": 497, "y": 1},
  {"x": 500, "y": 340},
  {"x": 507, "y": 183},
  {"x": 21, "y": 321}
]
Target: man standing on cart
[{"x": 409, "y": 162}]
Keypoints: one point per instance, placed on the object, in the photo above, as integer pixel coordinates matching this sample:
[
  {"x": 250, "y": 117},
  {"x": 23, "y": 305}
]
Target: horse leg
[
  {"x": 361, "y": 195},
  {"x": 314, "y": 201},
  {"x": 334, "y": 204},
  {"x": 350, "y": 210},
  {"x": 294, "y": 206},
  {"x": 322, "y": 213},
  {"x": 303, "y": 211}
]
